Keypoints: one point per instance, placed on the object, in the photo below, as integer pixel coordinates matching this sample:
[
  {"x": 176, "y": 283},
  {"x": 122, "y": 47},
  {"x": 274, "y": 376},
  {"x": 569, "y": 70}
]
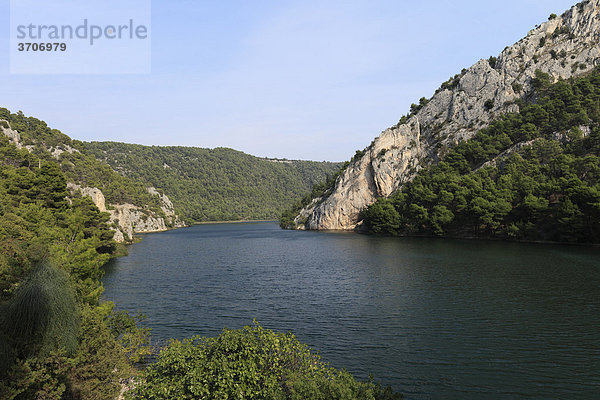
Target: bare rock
[{"x": 564, "y": 47}]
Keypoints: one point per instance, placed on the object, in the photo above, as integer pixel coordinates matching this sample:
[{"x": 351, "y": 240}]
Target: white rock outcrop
[
  {"x": 167, "y": 208},
  {"x": 12, "y": 135},
  {"x": 563, "y": 47},
  {"x": 129, "y": 219}
]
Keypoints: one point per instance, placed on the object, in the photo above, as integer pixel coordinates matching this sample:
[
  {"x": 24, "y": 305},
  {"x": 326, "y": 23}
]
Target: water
[{"x": 436, "y": 319}]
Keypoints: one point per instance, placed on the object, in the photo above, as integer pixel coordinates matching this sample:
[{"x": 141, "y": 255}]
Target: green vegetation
[
  {"x": 451, "y": 83},
  {"x": 543, "y": 183},
  {"x": 517, "y": 87},
  {"x": 55, "y": 340},
  {"x": 415, "y": 108},
  {"x": 42, "y": 315},
  {"x": 76, "y": 164},
  {"x": 215, "y": 184},
  {"x": 249, "y": 363}
]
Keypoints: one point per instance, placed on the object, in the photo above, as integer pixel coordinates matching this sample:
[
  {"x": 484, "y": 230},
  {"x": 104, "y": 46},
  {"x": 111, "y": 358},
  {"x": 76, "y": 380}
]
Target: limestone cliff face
[
  {"x": 563, "y": 47},
  {"x": 129, "y": 219},
  {"x": 12, "y": 135},
  {"x": 167, "y": 208}
]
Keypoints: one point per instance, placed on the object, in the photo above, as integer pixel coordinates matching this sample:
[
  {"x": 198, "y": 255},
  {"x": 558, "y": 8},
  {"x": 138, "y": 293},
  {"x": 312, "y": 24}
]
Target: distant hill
[{"x": 215, "y": 184}]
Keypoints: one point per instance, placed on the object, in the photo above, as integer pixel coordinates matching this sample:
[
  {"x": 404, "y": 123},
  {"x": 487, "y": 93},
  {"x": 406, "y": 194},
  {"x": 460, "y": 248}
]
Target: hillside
[
  {"x": 56, "y": 339},
  {"x": 133, "y": 206},
  {"x": 215, "y": 184},
  {"x": 565, "y": 46},
  {"x": 531, "y": 175}
]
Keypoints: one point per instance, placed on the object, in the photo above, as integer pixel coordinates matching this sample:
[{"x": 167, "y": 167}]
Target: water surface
[{"x": 434, "y": 318}]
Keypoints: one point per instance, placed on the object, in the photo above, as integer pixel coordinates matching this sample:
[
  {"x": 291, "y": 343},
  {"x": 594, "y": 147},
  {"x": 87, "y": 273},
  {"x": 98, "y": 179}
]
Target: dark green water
[{"x": 436, "y": 319}]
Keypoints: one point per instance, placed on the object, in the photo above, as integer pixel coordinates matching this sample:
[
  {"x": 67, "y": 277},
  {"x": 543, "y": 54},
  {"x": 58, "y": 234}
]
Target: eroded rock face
[
  {"x": 95, "y": 193},
  {"x": 132, "y": 219},
  {"x": 167, "y": 207},
  {"x": 129, "y": 219},
  {"x": 12, "y": 135},
  {"x": 63, "y": 148},
  {"x": 563, "y": 47}
]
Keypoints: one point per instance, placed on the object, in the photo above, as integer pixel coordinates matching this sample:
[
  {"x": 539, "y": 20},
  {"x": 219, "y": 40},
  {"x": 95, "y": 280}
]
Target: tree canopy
[{"x": 215, "y": 184}]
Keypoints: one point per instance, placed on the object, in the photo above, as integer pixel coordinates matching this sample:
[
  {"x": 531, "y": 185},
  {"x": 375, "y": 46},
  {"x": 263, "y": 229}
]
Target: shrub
[
  {"x": 452, "y": 83},
  {"x": 42, "y": 316},
  {"x": 517, "y": 87},
  {"x": 552, "y": 16},
  {"x": 489, "y": 104},
  {"x": 542, "y": 80},
  {"x": 248, "y": 363}
]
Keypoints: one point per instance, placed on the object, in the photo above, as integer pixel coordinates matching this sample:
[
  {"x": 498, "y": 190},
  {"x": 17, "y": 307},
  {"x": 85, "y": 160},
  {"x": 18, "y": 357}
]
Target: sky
[{"x": 307, "y": 79}]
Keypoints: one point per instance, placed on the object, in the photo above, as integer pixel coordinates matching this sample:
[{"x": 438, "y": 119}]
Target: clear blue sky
[{"x": 296, "y": 79}]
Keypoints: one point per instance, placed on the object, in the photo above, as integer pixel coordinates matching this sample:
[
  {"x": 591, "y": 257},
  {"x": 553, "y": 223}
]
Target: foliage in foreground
[
  {"x": 56, "y": 340},
  {"x": 249, "y": 363},
  {"x": 546, "y": 188},
  {"x": 42, "y": 316}
]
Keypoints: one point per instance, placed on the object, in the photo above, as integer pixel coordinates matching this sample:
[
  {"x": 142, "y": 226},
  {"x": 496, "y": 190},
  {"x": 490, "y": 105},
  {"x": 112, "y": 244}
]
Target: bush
[
  {"x": 541, "y": 81},
  {"x": 517, "y": 87},
  {"x": 42, "y": 316},
  {"x": 248, "y": 363}
]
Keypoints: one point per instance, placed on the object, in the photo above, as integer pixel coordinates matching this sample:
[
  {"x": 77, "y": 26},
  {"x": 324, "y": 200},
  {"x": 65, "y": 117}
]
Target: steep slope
[
  {"x": 531, "y": 175},
  {"x": 215, "y": 184},
  {"x": 133, "y": 207},
  {"x": 562, "y": 47}
]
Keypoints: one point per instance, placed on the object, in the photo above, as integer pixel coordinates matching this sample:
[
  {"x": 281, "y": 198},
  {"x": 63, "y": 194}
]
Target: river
[{"x": 434, "y": 318}]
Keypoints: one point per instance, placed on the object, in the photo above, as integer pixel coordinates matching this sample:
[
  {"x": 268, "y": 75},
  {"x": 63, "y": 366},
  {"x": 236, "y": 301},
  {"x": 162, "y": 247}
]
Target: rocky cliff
[
  {"x": 563, "y": 47},
  {"x": 129, "y": 219}
]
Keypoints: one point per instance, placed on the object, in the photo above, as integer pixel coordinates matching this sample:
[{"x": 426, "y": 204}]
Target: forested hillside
[
  {"x": 215, "y": 184},
  {"x": 56, "y": 340},
  {"x": 78, "y": 166},
  {"x": 531, "y": 175}
]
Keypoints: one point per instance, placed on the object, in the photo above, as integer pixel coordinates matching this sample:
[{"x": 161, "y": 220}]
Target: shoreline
[{"x": 233, "y": 221}]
